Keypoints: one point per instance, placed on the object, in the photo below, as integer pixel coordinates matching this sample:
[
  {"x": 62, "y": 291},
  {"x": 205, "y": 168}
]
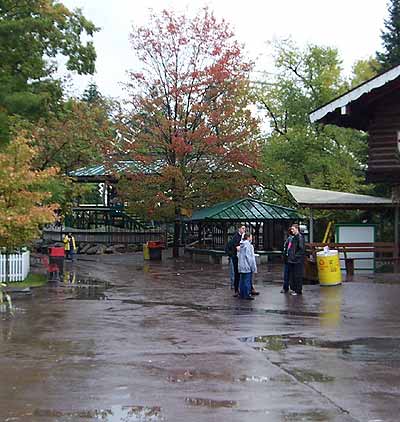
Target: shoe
[
  {"x": 284, "y": 291},
  {"x": 293, "y": 293},
  {"x": 249, "y": 298},
  {"x": 236, "y": 295},
  {"x": 254, "y": 293}
]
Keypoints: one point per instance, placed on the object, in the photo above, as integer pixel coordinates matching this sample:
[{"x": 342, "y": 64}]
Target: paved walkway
[{"x": 168, "y": 342}]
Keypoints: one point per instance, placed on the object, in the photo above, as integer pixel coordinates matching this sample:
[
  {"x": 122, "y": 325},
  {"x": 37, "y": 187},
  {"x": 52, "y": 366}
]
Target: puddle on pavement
[
  {"x": 112, "y": 414},
  {"x": 254, "y": 378},
  {"x": 310, "y": 376},
  {"x": 315, "y": 416},
  {"x": 212, "y": 404},
  {"x": 180, "y": 375},
  {"x": 85, "y": 289},
  {"x": 373, "y": 349}
]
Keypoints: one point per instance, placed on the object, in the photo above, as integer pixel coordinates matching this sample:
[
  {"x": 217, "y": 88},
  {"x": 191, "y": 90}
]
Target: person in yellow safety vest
[{"x": 69, "y": 246}]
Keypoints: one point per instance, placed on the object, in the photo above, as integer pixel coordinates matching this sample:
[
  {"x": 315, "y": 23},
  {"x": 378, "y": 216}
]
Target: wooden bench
[
  {"x": 384, "y": 252},
  {"x": 213, "y": 256}
]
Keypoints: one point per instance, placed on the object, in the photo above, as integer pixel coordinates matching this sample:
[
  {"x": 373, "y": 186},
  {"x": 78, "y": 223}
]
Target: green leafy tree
[
  {"x": 296, "y": 151},
  {"x": 33, "y": 33},
  {"x": 78, "y": 136},
  {"x": 390, "y": 56},
  {"x": 364, "y": 70},
  {"x": 92, "y": 95}
]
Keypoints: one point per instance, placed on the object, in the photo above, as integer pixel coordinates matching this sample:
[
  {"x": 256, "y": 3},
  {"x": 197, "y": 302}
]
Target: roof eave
[{"x": 344, "y": 100}]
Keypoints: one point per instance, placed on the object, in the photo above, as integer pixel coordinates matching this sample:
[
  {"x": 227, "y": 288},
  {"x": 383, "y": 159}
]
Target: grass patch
[{"x": 33, "y": 280}]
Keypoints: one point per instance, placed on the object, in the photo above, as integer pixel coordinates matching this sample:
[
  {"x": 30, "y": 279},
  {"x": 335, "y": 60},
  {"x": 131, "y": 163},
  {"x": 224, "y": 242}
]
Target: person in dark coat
[
  {"x": 287, "y": 245},
  {"x": 231, "y": 249},
  {"x": 295, "y": 259}
]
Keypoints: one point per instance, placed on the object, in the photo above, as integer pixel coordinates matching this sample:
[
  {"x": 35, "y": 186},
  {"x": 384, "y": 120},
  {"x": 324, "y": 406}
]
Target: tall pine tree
[{"x": 391, "y": 38}]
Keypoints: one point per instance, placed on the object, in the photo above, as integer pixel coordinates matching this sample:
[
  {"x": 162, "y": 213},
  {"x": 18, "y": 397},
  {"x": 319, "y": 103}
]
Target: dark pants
[
  {"x": 296, "y": 277},
  {"x": 235, "y": 263},
  {"x": 286, "y": 277}
]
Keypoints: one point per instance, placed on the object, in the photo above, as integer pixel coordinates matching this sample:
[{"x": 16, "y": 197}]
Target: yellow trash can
[
  {"x": 146, "y": 252},
  {"x": 328, "y": 264}
]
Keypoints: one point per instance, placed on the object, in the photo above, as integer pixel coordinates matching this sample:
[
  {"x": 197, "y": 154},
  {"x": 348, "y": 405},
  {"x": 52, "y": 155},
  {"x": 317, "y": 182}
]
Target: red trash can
[
  {"x": 56, "y": 263},
  {"x": 56, "y": 251},
  {"x": 155, "y": 249}
]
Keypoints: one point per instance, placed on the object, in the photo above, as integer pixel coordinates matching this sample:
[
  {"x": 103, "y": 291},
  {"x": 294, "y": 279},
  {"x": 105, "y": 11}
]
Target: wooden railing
[
  {"x": 382, "y": 252},
  {"x": 104, "y": 236}
]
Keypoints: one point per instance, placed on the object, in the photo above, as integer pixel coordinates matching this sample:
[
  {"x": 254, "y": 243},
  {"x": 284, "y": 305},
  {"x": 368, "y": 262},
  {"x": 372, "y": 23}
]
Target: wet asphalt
[{"x": 119, "y": 340}]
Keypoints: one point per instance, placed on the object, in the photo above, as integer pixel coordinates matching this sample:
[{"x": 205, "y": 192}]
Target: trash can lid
[{"x": 331, "y": 252}]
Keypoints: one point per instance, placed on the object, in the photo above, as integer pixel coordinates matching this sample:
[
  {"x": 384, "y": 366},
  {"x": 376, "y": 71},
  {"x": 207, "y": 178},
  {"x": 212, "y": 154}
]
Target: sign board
[{"x": 357, "y": 233}]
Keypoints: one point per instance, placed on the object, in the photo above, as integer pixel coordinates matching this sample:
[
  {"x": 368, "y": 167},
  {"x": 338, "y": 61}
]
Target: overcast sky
[{"x": 352, "y": 26}]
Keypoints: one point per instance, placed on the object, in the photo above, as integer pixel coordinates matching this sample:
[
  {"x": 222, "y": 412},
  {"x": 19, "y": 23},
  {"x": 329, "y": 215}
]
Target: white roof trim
[
  {"x": 310, "y": 196},
  {"x": 355, "y": 93}
]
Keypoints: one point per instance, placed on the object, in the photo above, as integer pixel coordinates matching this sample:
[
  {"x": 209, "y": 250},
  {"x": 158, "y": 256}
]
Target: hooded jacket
[
  {"x": 247, "y": 259},
  {"x": 67, "y": 245},
  {"x": 296, "y": 251}
]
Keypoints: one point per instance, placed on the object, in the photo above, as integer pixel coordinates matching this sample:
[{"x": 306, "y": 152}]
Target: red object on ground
[
  {"x": 56, "y": 251},
  {"x": 155, "y": 244},
  {"x": 52, "y": 268}
]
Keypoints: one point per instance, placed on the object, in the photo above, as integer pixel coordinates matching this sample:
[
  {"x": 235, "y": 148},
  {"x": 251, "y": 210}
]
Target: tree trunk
[{"x": 177, "y": 231}]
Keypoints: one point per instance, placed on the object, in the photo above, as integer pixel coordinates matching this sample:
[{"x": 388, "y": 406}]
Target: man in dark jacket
[
  {"x": 232, "y": 250},
  {"x": 295, "y": 259}
]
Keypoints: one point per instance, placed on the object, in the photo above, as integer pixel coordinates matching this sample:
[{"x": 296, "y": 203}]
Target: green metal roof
[
  {"x": 246, "y": 209},
  {"x": 100, "y": 170}
]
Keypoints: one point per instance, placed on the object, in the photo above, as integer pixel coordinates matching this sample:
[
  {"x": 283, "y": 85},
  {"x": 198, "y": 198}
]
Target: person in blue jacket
[{"x": 247, "y": 266}]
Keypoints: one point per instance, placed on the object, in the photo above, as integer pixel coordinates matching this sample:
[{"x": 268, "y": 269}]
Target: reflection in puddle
[
  {"x": 315, "y": 416},
  {"x": 331, "y": 303},
  {"x": 85, "y": 289},
  {"x": 112, "y": 414},
  {"x": 213, "y": 404},
  {"x": 373, "y": 349},
  {"x": 311, "y": 376},
  {"x": 254, "y": 378}
]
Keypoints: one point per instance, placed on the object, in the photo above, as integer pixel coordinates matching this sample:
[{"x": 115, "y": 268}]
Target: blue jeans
[
  {"x": 286, "y": 277},
  {"x": 70, "y": 254},
  {"x": 245, "y": 285}
]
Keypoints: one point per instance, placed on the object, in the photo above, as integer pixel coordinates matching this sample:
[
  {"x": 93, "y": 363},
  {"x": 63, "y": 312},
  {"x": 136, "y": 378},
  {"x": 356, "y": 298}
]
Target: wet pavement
[{"x": 124, "y": 341}]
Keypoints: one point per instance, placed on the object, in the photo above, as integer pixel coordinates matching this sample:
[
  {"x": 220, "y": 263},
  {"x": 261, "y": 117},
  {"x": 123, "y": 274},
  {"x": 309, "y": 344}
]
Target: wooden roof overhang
[
  {"x": 355, "y": 108},
  {"x": 332, "y": 200}
]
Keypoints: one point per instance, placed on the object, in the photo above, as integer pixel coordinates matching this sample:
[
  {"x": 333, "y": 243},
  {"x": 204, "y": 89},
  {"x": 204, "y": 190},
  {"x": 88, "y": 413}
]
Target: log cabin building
[{"x": 373, "y": 107}]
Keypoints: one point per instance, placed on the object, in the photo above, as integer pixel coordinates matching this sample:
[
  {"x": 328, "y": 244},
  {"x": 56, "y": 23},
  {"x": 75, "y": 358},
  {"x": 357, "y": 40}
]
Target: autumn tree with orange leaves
[
  {"x": 189, "y": 128},
  {"x": 24, "y": 197}
]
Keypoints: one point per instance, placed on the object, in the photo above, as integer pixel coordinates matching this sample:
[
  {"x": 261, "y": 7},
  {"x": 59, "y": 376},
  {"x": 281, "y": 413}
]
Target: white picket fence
[{"x": 18, "y": 266}]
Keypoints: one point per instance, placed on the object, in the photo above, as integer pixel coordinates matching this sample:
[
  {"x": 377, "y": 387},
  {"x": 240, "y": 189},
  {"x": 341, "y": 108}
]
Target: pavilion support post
[
  {"x": 257, "y": 235},
  {"x": 396, "y": 201},
  {"x": 396, "y": 237},
  {"x": 311, "y": 226}
]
